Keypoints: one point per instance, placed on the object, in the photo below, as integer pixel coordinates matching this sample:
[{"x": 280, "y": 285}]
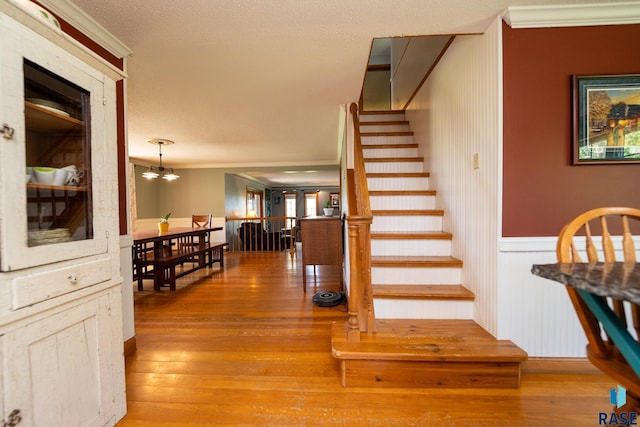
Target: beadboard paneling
[{"x": 457, "y": 114}]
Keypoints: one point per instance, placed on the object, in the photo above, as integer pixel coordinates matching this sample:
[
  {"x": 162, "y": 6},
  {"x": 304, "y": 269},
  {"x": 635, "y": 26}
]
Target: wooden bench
[{"x": 152, "y": 261}]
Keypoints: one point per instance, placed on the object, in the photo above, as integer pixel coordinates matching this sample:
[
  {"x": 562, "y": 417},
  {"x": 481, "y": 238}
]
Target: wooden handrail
[{"x": 359, "y": 219}]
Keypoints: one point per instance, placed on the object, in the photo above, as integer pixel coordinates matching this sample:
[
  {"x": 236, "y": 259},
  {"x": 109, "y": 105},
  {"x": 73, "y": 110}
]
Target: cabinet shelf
[
  {"x": 57, "y": 187},
  {"x": 43, "y": 119}
]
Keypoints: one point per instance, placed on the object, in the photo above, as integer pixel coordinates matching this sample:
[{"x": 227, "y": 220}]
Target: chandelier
[{"x": 155, "y": 171}]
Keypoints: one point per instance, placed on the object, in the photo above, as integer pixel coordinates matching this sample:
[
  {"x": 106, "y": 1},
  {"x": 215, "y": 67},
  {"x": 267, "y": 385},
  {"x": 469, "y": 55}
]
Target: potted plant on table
[
  {"x": 163, "y": 225},
  {"x": 328, "y": 210}
]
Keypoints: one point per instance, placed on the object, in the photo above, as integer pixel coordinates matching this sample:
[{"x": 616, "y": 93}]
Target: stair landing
[{"x": 428, "y": 353}]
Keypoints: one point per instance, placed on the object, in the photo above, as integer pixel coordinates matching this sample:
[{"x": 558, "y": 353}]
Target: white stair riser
[
  {"x": 386, "y": 308},
  {"x": 385, "y": 128},
  {"x": 393, "y": 167},
  {"x": 381, "y": 117},
  {"x": 416, "y": 275},
  {"x": 398, "y": 183},
  {"x": 402, "y": 202},
  {"x": 377, "y": 153},
  {"x": 378, "y": 140},
  {"x": 404, "y": 247},
  {"x": 415, "y": 223}
]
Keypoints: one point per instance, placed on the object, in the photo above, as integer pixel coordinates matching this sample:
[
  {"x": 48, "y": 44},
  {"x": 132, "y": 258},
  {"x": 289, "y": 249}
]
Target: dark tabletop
[{"x": 618, "y": 280}]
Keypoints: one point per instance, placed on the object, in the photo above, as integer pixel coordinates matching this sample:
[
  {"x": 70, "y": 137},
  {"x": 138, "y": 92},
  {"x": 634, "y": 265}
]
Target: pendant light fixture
[{"x": 156, "y": 171}]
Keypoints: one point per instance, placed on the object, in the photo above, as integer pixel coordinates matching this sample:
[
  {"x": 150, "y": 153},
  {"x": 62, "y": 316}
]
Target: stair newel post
[
  {"x": 366, "y": 312},
  {"x": 355, "y": 297}
]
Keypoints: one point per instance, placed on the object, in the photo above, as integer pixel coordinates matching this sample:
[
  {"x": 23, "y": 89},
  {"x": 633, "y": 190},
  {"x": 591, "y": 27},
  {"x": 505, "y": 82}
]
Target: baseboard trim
[
  {"x": 558, "y": 365},
  {"x": 130, "y": 346}
]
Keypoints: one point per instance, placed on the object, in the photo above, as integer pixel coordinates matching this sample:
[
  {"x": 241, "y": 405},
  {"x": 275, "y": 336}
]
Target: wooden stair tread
[
  {"x": 411, "y": 235},
  {"x": 398, "y": 175},
  {"x": 377, "y": 146},
  {"x": 375, "y": 112},
  {"x": 448, "y": 292},
  {"x": 397, "y": 133},
  {"x": 383, "y": 123},
  {"x": 419, "y": 212},
  {"x": 402, "y": 193},
  {"x": 425, "y": 340},
  {"x": 415, "y": 261},
  {"x": 393, "y": 159}
]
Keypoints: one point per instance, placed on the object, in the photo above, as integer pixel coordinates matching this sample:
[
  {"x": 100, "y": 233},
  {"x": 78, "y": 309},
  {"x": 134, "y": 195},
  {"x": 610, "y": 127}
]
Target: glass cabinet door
[
  {"x": 53, "y": 166},
  {"x": 58, "y": 160}
]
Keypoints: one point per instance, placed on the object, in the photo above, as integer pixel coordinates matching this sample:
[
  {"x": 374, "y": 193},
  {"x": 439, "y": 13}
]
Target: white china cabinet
[{"x": 61, "y": 346}]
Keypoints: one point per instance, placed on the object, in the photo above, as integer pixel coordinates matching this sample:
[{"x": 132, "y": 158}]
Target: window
[
  {"x": 290, "y": 211},
  {"x": 310, "y": 204},
  {"x": 254, "y": 203}
]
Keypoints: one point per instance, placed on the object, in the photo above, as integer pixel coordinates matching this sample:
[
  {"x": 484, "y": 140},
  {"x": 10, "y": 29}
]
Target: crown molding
[
  {"x": 573, "y": 15},
  {"x": 87, "y": 25}
]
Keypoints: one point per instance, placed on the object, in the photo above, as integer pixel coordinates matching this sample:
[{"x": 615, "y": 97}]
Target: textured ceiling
[{"x": 249, "y": 83}]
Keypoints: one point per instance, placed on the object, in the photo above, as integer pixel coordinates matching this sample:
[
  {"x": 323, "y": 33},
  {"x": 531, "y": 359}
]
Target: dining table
[
  {"x": 595, "y": 282},
  {"x": 163, "y": 250}
]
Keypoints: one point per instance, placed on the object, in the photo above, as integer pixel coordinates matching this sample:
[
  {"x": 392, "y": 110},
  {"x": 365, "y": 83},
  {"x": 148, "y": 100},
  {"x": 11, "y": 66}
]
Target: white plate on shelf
[{"x": 49, "y": 105}]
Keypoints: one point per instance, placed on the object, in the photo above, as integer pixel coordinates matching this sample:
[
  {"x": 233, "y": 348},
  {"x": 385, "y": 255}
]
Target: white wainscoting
[{"x": 533, "y": 312}]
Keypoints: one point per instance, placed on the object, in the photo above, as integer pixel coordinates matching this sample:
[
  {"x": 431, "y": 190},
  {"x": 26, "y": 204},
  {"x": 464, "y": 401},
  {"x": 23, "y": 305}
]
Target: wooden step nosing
[
  {"x": 388, "y": 175},
  {"x": 423, "y": 292},
  {"x": 393, "y": 212},
  {"x": 425, "y": 235},
  {"x": 402, "y": 193},
  {"x": 397, "y": 133},
  {"x": 388, "y": 146},
  {"x": 415, "y": 261},
  {"x": 394, "y": 159}
]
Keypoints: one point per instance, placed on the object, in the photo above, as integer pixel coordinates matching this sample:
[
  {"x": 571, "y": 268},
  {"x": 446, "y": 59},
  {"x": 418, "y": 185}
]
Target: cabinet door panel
[
  {"x": 63, "y": 367},
  {"x": 38, "y": 217}
]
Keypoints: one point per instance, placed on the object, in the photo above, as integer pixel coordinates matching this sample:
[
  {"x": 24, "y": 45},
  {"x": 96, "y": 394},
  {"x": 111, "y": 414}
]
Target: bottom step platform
[{"x": 410, "y": 353}]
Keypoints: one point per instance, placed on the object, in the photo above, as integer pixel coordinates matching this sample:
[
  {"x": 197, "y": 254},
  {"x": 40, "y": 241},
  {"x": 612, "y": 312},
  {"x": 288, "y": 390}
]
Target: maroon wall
[{"x": 542, "y": 190}]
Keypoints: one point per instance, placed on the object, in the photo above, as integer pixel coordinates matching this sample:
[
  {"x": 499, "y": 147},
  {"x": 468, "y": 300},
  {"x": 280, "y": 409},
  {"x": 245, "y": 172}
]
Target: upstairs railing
[
  {"x": 251, "y": 234},
  {"x": 359, "y": 219}
]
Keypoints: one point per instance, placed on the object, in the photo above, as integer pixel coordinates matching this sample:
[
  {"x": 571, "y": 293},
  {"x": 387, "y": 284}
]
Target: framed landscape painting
[{"x": 606, "y": 111}]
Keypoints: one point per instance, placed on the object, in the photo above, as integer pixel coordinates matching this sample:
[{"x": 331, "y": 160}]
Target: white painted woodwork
[
  {"x": 404, "y": 202},
  {"x": 17, "y": 42},
  {"x": 386, "y": 139},
  {"x": 416, "y": 276},
  {"x": 398, "y": 183},
  {"x": 386, "y": 308},
  {"x": 386, "y": 128},
  {"x": 377, "y": 153},
  {"x": 393, "y": 167},
  {"x": 387, "y": 117},
  {"x": 407, "y": 247},
  {"x": 457, "y": 113},
  {"x": 416, "y": 223},
  {"x": 61, "y": 342}
]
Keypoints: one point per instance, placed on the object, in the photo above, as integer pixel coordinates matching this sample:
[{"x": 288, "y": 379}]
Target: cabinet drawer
[{"x": 37, "y": 287}]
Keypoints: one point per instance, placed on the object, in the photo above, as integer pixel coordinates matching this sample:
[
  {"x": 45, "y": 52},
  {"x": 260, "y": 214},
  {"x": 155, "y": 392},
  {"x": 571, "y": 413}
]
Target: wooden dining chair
[
  {"x": 619, "y": 221},
  {"x": 198, "y": 221}
]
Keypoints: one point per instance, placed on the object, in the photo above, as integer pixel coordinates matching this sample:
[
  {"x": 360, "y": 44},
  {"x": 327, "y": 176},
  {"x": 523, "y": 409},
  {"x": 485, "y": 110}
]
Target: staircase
[{"x": 425, "y": 336}]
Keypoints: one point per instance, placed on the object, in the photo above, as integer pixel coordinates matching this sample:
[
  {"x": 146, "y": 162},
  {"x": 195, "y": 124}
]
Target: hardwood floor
[{"x": 244, "y": 346}]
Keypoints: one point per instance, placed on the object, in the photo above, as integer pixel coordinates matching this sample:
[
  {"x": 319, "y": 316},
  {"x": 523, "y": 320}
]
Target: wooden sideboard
[{"x": 321, "y": 243}]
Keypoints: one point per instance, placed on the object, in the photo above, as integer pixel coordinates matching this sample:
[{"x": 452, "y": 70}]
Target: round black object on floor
[{"x": 328, "y": 298}]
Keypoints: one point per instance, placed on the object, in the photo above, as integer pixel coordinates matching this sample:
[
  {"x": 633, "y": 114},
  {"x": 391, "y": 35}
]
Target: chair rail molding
[{"x": 572, "y": 15}]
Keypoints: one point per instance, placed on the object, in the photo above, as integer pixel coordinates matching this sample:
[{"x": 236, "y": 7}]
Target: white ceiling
[{"x": 255, "y": 83}]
